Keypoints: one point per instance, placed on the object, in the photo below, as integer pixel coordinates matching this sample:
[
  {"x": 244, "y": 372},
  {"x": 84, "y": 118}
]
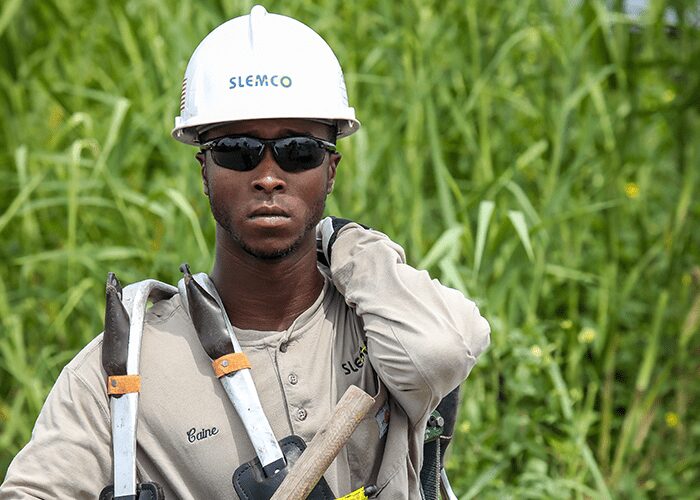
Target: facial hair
[{"x": 223, "y": 220}]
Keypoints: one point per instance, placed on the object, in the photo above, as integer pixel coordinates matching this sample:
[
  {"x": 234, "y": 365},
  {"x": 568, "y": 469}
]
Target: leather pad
[
  {"x": 250, "y": 482},
  {"x": 144, "y": 491}
]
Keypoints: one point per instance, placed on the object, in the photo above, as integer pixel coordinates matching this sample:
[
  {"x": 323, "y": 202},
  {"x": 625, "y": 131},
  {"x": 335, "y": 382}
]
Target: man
[{"x": 264, "y": 99}]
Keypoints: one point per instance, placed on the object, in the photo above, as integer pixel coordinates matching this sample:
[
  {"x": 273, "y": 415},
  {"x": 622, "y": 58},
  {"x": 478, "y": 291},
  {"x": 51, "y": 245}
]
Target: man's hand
[{"x": 327, "y": 232}]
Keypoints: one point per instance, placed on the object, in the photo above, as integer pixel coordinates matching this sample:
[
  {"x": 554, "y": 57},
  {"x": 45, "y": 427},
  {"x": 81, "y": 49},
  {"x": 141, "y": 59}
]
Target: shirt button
[
  {"x": 301, "y": 414},
  {"x": 293, "y": 379},
  {"x": 283, "y": 347}
]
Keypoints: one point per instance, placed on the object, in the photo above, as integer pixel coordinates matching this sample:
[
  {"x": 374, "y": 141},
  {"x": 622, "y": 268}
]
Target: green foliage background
[{"x": 540, "y": 155}]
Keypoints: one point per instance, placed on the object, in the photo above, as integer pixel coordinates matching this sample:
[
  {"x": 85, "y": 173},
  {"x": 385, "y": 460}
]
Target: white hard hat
[{"x": 262, "y": 66}]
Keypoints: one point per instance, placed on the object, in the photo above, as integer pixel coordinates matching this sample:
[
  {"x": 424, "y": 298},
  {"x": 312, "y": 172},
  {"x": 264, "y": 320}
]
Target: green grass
[{"x": 539, "y": 156}]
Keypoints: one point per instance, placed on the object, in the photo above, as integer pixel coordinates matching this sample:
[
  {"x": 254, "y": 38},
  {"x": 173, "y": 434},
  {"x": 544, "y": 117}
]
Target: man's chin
[
  {"x": 270, "y": 251},
  {"x": 270, "y": 254}
]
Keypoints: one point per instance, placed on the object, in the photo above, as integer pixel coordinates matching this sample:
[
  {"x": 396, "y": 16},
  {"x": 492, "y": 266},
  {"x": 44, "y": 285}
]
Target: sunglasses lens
[
  {"x": 237, "y": 153},
  {"x": 295, "y": 154}
]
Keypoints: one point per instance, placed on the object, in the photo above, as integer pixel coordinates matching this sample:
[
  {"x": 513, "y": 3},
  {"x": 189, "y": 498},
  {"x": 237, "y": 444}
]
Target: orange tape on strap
[
  {"x": 123, "y": 384},
  {"x": 229, "y": 363}
]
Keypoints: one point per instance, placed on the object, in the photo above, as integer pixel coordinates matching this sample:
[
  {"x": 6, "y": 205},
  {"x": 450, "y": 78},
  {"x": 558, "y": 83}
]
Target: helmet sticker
[{"x": 183, "y": 95}]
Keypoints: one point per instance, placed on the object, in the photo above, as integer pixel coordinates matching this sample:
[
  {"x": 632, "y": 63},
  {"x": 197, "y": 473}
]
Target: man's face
[{"x": 268, "y": 212}]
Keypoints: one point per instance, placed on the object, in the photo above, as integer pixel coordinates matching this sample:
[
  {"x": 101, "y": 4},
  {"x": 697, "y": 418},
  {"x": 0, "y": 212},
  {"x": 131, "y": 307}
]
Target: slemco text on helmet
[{"x": 260, "y": 81}]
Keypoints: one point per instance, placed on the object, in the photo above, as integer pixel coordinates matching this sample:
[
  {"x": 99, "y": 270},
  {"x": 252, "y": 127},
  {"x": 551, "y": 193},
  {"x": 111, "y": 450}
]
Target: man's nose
[{"x": 269, "y": 176}]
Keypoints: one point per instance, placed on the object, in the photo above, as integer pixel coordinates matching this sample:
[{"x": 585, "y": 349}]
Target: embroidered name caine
[
  {"x": 355, "y": 364},
  {"x": 260, "y": 81},
  {"x": 195, "y": 435}
]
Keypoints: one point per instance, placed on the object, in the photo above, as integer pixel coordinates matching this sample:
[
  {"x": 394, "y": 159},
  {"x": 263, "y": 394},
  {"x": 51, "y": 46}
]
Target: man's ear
[
  {"x": 202, "y": 163},
  {"x": 332, "y": 167}
]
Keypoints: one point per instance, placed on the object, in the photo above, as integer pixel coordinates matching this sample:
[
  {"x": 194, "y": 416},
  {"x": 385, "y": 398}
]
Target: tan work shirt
[{"x": 375, "y": 317}]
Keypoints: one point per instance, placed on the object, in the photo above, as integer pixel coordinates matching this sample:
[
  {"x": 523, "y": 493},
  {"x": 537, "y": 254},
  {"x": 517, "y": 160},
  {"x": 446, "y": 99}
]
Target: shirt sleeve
[
  {"x": 69, "y": 454},
  {"x": 422, "y": 338}
]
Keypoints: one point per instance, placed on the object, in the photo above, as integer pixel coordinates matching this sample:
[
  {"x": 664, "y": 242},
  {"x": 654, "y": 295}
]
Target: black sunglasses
[{"x": 292, "y": 154}]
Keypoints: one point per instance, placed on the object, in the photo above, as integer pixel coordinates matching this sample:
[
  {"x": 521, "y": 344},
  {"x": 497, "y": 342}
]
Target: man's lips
[{"x": 268, "y": 211}]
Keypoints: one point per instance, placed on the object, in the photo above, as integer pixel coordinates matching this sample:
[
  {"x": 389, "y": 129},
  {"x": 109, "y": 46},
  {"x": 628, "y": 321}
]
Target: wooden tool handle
[{"x": 325, "y": 445}]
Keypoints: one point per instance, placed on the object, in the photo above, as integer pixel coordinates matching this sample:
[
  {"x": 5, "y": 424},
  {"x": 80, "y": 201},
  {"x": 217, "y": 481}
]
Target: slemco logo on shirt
[{"x": 354, "y": 365}]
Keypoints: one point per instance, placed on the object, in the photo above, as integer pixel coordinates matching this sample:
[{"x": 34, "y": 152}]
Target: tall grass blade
[
  {"x": 518, "y": 220},
  {"x": 486, "y": 209},
  {"x": 447, "y": 246},
  {"x": 9, "y": 10}
]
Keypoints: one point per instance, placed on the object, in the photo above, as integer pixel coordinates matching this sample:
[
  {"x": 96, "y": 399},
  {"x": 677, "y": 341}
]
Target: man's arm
[
  {"x": 422, "y": 338},
  {"x": 68, "y": 455}
]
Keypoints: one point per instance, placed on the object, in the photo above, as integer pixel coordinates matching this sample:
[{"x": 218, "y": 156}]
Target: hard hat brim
[{"x": 189, "y": 133}]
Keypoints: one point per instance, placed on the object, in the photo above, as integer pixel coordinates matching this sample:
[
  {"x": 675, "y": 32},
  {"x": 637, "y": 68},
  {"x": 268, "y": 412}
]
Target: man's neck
[{"x": 266, "y": 295}]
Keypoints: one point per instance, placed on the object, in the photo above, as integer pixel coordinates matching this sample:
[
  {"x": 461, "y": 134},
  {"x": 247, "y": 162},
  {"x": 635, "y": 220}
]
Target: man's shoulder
[
  {"x": 88, "y": 359},
  {"x": 167, "y": 314}
]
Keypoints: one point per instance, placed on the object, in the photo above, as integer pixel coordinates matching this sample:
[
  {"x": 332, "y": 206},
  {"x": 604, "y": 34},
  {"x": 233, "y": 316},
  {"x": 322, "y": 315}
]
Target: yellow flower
[
  {"x": 587, "y": 335},
  {"x": 672, "y": 419},
  {"x": 632, "y": 190},
  {"x": 536, "y": 351},
  {"x": 464, "y": 427},
  {"x": 566, "y": 324}
]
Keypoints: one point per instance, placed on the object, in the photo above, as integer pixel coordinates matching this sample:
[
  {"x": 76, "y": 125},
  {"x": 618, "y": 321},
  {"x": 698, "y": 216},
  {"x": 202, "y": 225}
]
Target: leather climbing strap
[
  {"x": 123, "y": 384},
  {"x": 229, "y": 363}
]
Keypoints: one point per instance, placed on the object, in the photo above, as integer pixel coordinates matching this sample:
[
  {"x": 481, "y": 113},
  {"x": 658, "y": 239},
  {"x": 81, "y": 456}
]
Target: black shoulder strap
[
  {"x": 448, "y": 408},
  {"x": 438, "y": 434}
]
